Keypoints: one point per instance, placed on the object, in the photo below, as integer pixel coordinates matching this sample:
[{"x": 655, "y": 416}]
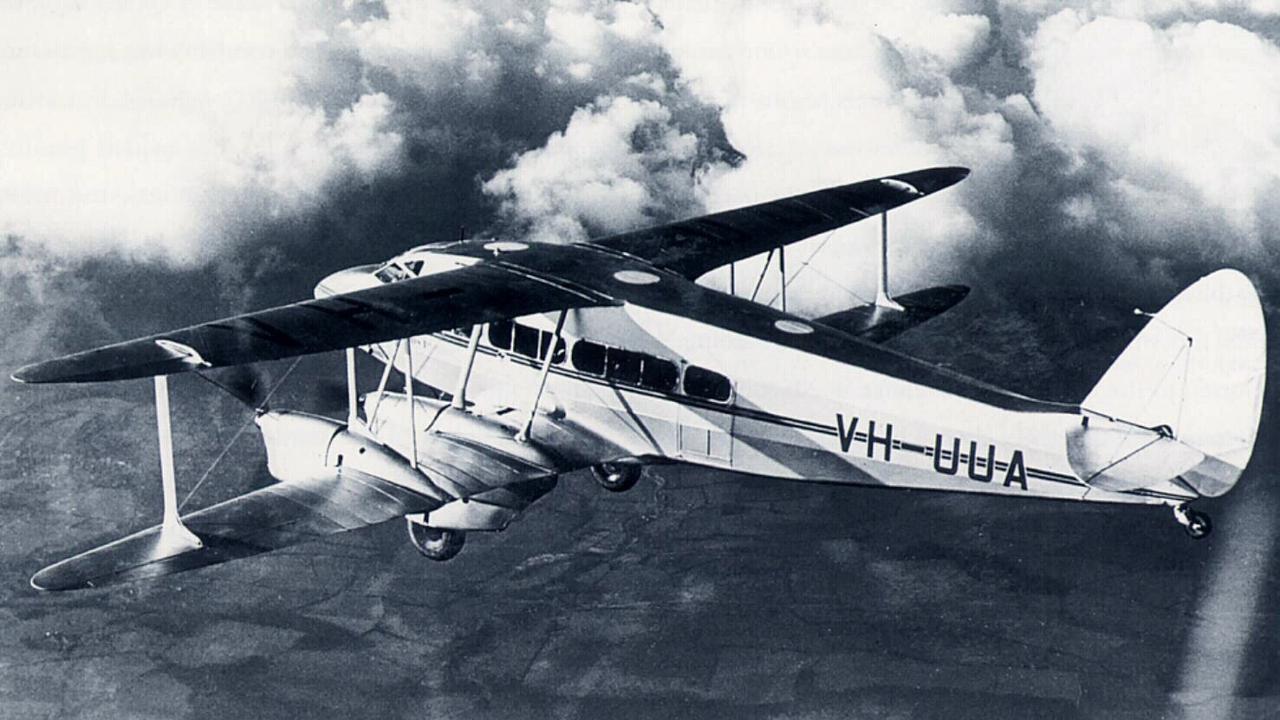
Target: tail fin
[{"x": 1198, "y": 368}]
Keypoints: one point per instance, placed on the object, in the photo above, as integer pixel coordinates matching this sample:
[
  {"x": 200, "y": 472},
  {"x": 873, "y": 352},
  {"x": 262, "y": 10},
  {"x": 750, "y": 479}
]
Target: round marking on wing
[
  {"x": 505, "y": 246},
  {"x": 636, "y": 277},
  {"x": 793, "y": 326}
]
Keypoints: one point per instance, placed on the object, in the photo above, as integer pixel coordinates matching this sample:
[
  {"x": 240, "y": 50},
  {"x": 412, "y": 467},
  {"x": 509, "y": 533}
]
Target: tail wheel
[
  {"x": 1198, "y": 524},
  {"x": 616, "y": 477},
  {"x": 435, "y": 543}
]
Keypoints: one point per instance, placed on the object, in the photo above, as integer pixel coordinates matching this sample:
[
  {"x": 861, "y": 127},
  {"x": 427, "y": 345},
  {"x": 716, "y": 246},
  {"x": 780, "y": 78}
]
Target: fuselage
[{"x": 658, "y": 386}]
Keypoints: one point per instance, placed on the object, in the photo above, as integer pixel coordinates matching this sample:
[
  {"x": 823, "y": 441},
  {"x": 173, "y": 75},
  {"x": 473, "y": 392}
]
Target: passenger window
[
  {"x": 658, "y": 374},
  {"x": 500, "y": 334},
  {"x": 558, "y": 356},
  {"x": 703, "y": 383},
  {"x": 588, "y": 357},
  {"x": 623, "y": 366},
  {"x": 526, "y": 341}
]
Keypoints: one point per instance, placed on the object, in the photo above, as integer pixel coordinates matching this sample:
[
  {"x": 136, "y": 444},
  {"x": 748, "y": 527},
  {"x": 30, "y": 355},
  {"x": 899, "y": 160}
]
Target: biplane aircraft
[{"x": 608, "y": 355}]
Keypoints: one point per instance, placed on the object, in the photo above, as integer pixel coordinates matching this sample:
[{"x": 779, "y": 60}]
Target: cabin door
[{"x": 704, "y": 435}]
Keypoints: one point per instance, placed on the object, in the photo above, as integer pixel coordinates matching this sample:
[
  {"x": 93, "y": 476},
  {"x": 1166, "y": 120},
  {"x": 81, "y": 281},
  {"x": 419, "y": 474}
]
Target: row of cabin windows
[{"x": 625, "y": 367}]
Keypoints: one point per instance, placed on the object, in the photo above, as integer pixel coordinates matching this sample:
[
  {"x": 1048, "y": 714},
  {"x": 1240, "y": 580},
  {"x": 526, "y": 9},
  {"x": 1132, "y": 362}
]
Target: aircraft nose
[{"x": 349, "y": 280}]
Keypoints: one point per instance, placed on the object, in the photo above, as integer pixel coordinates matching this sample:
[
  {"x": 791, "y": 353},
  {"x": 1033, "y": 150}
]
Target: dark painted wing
[
  {"x": 879, "y": 324},
  {"x": 479, "y": 293},
  {"x": 274, "y": 517},
  {"x": 695, "y": 246}
]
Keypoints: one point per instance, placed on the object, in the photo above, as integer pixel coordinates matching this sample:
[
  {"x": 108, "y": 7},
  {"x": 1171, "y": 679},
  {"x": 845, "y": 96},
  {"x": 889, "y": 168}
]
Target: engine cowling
[
  {"x": 301, "y": 446},
  {"x": 297, "y": 444}
]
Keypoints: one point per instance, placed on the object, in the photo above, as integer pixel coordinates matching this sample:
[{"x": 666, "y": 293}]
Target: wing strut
[
  {"x": 882, "y": 277},
  {"x": 782, "y": 274},
  {"x": 382, "y": 384},
  {"x": 408, "y": 393},
  {"x": 763, "y": 271},
  {"x": 174, "y": 537},
  {"x": 523, "y": 435},
  {"x": 352, "y": 401},
  {"x": 459, "y": 401}
]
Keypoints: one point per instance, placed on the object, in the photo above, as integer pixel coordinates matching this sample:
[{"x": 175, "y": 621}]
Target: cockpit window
[{"x": 393, "y": 272}]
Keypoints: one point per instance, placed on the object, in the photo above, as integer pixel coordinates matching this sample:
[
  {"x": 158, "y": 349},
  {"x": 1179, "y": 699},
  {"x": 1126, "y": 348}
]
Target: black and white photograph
[{"x": 579, "y": 359}]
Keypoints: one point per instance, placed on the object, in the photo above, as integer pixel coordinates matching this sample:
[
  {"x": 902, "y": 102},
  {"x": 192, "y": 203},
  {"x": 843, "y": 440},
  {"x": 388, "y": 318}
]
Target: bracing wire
[
  {"x": 243, "y": 426},
  {"x": 763, "y": 272},
  {"x": 1112, "y": 461},
  {"x": 808, "y": 265}
]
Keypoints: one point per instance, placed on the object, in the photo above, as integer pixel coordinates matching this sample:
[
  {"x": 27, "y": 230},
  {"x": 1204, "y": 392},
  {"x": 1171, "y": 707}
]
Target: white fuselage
[{"x": 790, "y": 414}]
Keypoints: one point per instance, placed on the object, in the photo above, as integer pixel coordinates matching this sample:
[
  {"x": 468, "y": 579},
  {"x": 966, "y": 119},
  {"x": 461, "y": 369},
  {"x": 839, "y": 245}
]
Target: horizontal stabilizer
[
  {"x": 877, "y": 324},
  {"x": 273, "y": 517}
]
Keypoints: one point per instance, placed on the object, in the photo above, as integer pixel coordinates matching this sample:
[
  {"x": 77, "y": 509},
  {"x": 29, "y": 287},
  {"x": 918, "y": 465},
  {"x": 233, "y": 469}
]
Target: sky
[{"x": 249, "y": 147}]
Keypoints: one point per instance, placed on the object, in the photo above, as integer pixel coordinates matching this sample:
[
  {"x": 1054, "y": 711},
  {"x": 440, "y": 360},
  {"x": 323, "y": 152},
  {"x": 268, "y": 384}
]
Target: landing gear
[
  {"x": 434, "y": 543},
  {"x": 616, "y": 477},
  {"x": 1196, "y": 523}
]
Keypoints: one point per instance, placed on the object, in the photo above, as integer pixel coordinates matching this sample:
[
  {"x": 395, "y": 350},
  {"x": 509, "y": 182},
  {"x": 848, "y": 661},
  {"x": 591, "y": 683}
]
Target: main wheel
[
  {"x": 1198, "y": 524},
  {"x": 434, "y": 543},
  {"x": 616, "y": 477}
]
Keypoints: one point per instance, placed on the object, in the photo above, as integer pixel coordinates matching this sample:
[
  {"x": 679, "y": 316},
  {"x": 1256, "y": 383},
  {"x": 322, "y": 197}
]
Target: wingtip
[
  {"x": 41, "y": 581},
  {"x": 954, "y": 173},
  {"x": 35, "y": 374},
  {"x": 931, "y": 180}
]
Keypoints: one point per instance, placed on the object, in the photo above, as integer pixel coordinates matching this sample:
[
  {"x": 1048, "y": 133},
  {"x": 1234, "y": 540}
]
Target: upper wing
[
  {"x": 695, "y": 246},
  {"x": 476, "y": 294}
]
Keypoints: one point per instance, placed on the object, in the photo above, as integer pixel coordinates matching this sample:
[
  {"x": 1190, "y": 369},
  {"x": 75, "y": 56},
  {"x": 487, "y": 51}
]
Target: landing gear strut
[
  {"x": 1196, "y": 523},
  {"x": 616, "y": 477},
  {"x": 434, "y": 543}
]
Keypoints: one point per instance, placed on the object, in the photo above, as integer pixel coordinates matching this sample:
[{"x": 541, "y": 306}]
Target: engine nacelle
[
  {"x": 302, "y": 446},
  {"x": 297, "y": 444}
]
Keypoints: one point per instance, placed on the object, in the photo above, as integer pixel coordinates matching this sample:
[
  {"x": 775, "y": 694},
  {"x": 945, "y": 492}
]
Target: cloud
[
  {"x": 619, "y": 164},
  {"x": 1183, "y": 114},
  {"x": 1148, "y": 9},
  {"x": 133, "y": 126},
  {"x": 817, "y": 94},
  {"x": 236, "y": 134}
]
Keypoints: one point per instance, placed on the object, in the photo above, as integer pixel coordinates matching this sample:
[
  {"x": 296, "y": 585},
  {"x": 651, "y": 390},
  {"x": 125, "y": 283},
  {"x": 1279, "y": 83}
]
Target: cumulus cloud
[
  {"x": 816, "y": 94},
  {"x": 361, "y": 129},
  {"x": 618, "y": 164},
  {"x": 134, "y": 125},
  {"x": 1183, "y": 114},
  {"x": 1147, "y": 9}
]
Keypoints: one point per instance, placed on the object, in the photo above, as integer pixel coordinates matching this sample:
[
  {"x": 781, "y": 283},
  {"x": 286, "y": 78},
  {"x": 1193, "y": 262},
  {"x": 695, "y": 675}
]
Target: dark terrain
[{"x": 697, "y": 594}]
